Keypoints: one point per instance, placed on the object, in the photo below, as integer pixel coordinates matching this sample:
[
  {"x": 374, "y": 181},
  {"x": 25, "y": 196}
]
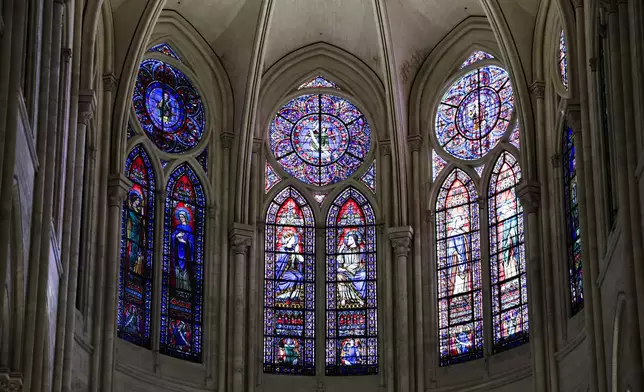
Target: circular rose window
[
  {"x": 168, "y": 107},
  {"x": 320, "y": 139},
  {"x": 475, "y": 112}
]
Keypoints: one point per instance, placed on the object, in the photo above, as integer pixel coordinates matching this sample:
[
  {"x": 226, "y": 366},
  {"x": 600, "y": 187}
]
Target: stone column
[
  {"x": 401, "y": 239},
  {"x": 486, "y": 292},
  {"x": 240, "y": 240},
  {"x": 118, "y": 187},
  {"x": 5, "y": 67},
  {"x": 529, "y": 193},
  {"x": 388, "y": 334}
]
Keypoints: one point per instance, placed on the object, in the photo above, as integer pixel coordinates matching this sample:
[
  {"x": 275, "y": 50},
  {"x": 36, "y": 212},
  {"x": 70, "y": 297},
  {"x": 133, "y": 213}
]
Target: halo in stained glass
[
  {"x": 475, "y": 113},
  {"x": 320, "y": 139},
  {"x": 168, "y": 106}
]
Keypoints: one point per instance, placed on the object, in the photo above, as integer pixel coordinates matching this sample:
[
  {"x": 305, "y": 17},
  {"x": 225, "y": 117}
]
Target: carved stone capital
[
  {"x": 386, "y": 147},
  {"x": 529, "y": 193},
  {"x": 10, "y": 381},
  {"x": 592, "y": 64},
  {"x": 109, "y": 81},
  {"x": 241, "y": 237},
  {"x": 227, "y": 139},
  {"x": 66, "y": 54},
  {"x": 415, "y": 143},
  {"x": 117, "y": 189},
  {"x": 86, "y": 106},
  {"x": 430, "y": 215},
  {"x": 538, "y": 89},
  {"x": 573, "y": 118},
  {"x": 555, "y": 159},
  {"x": 482, "y": 202},
  {"x": 257, "y": 145},
  {"x": 211, "y": 211},
  {"x": 400, "y": 238},
  {"x": 578, "y": 3}
]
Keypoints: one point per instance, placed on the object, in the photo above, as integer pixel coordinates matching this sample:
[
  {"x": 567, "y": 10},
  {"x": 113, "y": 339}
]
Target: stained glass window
[
  {"x": 165, "y": 49},
  {"x": 137, "y": 250},
  {"x": 168, "y": 107},
  {"x": 270, "y": 178},
  {"x": 369, "y": 178},
  {"x": 318, "y": 82},
  {"x": 320, "y": 196},
  {"x": 203, "y": 159},
  {"x": 460, "y": 309},
  {"x": 183, "y": 265},
  {"x": 475, "y": 57},
  {"x": 479, "y": 170},
  {"x": 289, "y": 285},
  {"x": 130, "y": 131},
  {"x": 507, "y": 256},
  {"x": 438, "y": 164},
  {"x": 563, "y": 59},
  {"x": 475, "y": 112},
  {"x": 320, "y": 139},
  {"x": 573, "y": 229},
  {"x": 515, "y": 137},
  {"x": 351, "y": 305}
]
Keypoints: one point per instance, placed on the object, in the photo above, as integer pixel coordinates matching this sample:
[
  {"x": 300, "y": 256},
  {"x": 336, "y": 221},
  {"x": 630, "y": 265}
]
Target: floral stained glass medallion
[
  {"x": 573, "y": 228},
  {"x": 475, "y": 57},
  {"x": 369, "y": 178},
  {"x": 270, "y": 178},
  {"x": 183, "y": 266},
  {"x": 475, "y": 113},
  {"x": 289, "y": 285},
  {"x": 507, "y": 256},
  {"x": 165, "y": 49},
  {"x": 460, "y": 299},
  {"x": 563, "y": 59},
  {"x": 320, "y": 139},
  {"x": 168, "y": 107},
  {"x": 351, "y": 303},
  {"x": 137, "y": 251},
  {"x": 318, "y": 82}
]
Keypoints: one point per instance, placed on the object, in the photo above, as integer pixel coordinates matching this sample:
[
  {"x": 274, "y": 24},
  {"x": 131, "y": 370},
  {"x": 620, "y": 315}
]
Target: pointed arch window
[
  {"x": 460, "y": 301},
  {"x": 507, "y": 256},
  {"x": 351, "y": 303},
  {"x": 563, "y": 59},
  {"x": 573, "y": 228},
  {"x": 289, "y": 285},
  {"x": 183, "y": 265},
  {"x": 137, "y": 250}
]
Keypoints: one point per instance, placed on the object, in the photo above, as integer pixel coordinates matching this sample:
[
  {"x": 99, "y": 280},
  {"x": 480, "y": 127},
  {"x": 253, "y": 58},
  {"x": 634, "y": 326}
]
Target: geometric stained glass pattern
[
  {"x": 203, "y": 159},
  {"x": 507, "y": 256},
  {"x": 369, "y": 178},
  {"x": 475, "y": 112},
  {"x": 320, "y": 197},
  {"x": 320, "y": 139},
  {"x": 130, "y": 131},
  {"x": 270, "y": 178},
  {"x": 475, "y": 57},
  {"x": 351, "y": 303},
  {"x": 438, "y": 164},
  {"x": 563, "y": 59},
  {"x": 318, "y": 82},
  {"x": 137, "y": 250},
  {"x": 460, "y": 302},
  {"x": 289, "y": 285},
  {"x": 165, "y": 49},
  {"x": 168, "y": 107},
  {"x": 573, "y": 229},
  {"x": 515, "y": 137},
  {"x": 183, "y": 265}
]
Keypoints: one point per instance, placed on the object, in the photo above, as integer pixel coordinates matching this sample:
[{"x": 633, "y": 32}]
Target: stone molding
[
  {"x": 385, "y": 146},
  {"x": 241, "y": 238},
  {"x": 529, "y": 193},
  {"x": 117, "y": 188},
  {"x": 257, "y": 145},
  {"x": 415, "y": 143},
  {"x": 538, "y": 89},
  {"x": 86, "y": 106},
  {"x": 227, "y": 139},
  {"x": 10, "y": 381},
  {"x": 573, "y": 118},
  {"x": 66, "y": 53},
  {"x": 109, "y": 81},
  {"x": 401, "y": 238},
  {"x": 555, "y": 159}
]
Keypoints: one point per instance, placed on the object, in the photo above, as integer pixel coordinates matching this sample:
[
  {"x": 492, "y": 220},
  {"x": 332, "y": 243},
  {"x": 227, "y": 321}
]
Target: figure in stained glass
[
  {"x": 288, "y": 269},
  {"x": 573, "y": 227},
  {"x": 458, "y": 253},
  {"x": 184, "y": 247},
  {"x": 289, "y": 352},
  {"x": 351, "y": 270},
  {"x": 135, "y": 229},
  {"x": 352, "y": 352}
]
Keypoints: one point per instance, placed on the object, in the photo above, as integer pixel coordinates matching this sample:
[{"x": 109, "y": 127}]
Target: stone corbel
[
  {"x": 415, "y": 143},
  {"x": 66, "y": 54},
  {"x": 529, "y": 193},
  {"x": 573, "y": 118},
  {"x": 538, "y": 89},
  {"x": 555, "y": 159},
  {"x": 10, "y": 381},
  {"x": 241, "y": 238},
  {"x": 578, "y": 3},
  {"x": 257, "y": 145},
  {"x": 385, "y": 146},
  {"x": 401, "y": 238},
  {"x": 117, "y": 189},
  {"x": 86, "y": 106},
  {"x": 227, "y": 139},
  {"x": 109, "y": 81}
]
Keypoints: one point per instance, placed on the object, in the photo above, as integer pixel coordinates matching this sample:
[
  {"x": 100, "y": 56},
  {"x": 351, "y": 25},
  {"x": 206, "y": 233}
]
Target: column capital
[
  {"x": 529, "y": 193},
  {"x": 241, "y": 237},
  {"x": 117, "y": 187},
  {"x": 573, "y": 117},
  {"x": 482, "y": 202},
  {"x": 538, "y": 89},
  {"x": 578, "y": 3},
  {"x": 257, "y": 145},
  {"x": 86, "y": 106},
  {"x": 400, "y": 238},
  {"x": 415, "y": 143},
  {"x": 10, "y": 381},
  {"x": 109, "y": 81},
  {"x": 385, "y": 145},
  {"x": 227, "y": 139},
  {"x": 592, "y": 64},
  {"x": 555, "y": 159},
  {"x": 66, "y": 53}
]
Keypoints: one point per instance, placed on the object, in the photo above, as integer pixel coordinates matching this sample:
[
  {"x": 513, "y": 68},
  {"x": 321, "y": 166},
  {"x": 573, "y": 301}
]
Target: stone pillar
[
  {"x": 484, "y": 233},
  {"x": 5, "y": 67},
  {"x": 401, "y": 239},
  {"x": 240, "y": 241},
  {"x": 118, "y": 187}
]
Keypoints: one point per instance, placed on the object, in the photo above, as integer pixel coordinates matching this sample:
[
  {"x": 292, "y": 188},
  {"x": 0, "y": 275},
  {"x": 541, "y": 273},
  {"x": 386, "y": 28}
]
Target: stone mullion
[
  {"x": 254, "y": 278},
  {"x": 485, "y": 268},
  {"x": 558, "y": 230}
]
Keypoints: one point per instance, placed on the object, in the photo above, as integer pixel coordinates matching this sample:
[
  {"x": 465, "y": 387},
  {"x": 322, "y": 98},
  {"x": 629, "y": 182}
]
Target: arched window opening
[
  {"x": 164, "y": 49},
  {"x": 351, "y": 315},
  {"x": 137, "y": 250},
  {"x": 183, "y": 265},
  {"x": 475, "y": 57},
  {"x": 573, "y": 228},
  {"x": 318, "y": 82},
  {"x": 563, "y": 59},
  {"x": 507, "y": 256},
  {"x": 460, "y": 301},
  {"x": 289, "y": 285}
]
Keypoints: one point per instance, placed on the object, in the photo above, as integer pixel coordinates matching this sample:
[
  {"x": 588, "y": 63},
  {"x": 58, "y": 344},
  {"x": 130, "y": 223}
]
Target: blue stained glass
[
  {"x": 270, "y": 178},
  {"x": 515, "y": 137},
  {"x": 289, "y": 285},
  {"x": 475, "y": 112},
  {"x": 168, "y": 107},
  {"x": 351, "y": 301},
  {"x": 475, "y": 57},
  {"x": 165, "y": 49},
  {"x": 137, "y": 250},
  {"x": 438, "y": 164},
  {"x": 369, "y": 178},
  {"x": 563, "y": 59},
  {"x": 458, "y": 253},
  {"x": 318, "y": 82},
  {"x": 130, "y": 131},
  {"x": 507, "y": 256},
  {"x": 320, "y": 139},
  {"x": 203, "y": 159},
  {"x": 573, "y": 228},
  {"x": 183, "y": 266},
  {"x": 164, "y": 163}
]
